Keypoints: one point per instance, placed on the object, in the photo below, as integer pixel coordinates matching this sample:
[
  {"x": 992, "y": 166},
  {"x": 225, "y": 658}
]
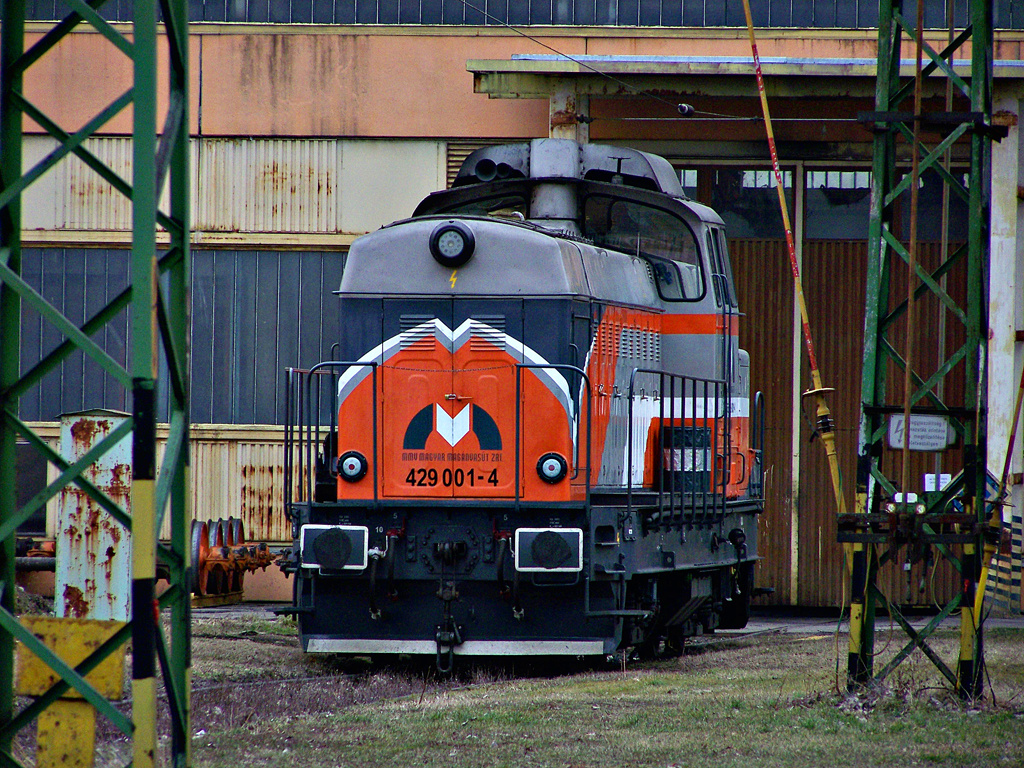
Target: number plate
[{"x": 457, "y": 477}]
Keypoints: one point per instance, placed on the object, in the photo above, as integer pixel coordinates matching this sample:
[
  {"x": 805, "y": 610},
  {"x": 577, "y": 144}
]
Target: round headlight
[
  {"x": 552, "y": 467},
  {"x": 451, "y": 244},
  {"x": 352, "y": 466}
]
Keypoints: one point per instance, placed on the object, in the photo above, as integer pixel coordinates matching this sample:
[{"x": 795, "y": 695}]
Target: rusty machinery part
[
  {"x": 33, "y": 555},
  {"x": 221, "y": 556}
]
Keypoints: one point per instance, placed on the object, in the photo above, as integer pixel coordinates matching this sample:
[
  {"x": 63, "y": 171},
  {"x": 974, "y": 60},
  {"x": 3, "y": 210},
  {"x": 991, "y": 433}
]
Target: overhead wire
[
  {"x": 573, "y": 59},
  {"x": 733, "y": 119}
]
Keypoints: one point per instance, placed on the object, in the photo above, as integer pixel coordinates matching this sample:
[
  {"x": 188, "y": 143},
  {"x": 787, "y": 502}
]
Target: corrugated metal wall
[
  {"x": 834, "y": 277},
  {"x": 765, "y": 292},
  {"x": 240, "y": 473},
  {"x": 78, "y": 282},
  {"x": 236, "y": 472},
  {"x": 253, "y": 314},
  {"x": 294, "y": 185},
  {"x": 269, "y": 185},
  {"x": 83, "y": 200}
]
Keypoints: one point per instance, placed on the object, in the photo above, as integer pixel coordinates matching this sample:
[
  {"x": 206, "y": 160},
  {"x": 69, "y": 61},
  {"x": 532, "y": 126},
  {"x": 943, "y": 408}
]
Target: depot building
[{"x": 314, "y": 122}]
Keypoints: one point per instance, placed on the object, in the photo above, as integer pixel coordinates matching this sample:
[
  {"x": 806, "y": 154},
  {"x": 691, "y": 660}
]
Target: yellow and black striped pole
[
  {"x": 145, "y": 612},
  {"x": 144, "y": 375}
]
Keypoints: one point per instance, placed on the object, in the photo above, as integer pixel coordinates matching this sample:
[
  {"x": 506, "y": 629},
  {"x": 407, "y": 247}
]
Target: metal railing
[
  {"x": 304, "y": 429},
  {"x": 756, "y": 487},
  {"x": 693, "y": 426}
]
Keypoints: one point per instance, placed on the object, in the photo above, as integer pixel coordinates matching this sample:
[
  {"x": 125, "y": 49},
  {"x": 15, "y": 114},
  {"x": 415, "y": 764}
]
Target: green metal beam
[
  {"x": 12, "y": 41},
  {"x": 888, "y": 330},
  {"x": 157, "y": 304}
]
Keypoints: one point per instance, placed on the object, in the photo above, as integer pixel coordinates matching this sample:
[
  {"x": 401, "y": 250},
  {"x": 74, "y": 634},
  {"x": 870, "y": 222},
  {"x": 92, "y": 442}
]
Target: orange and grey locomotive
[{"x": 537, "y": 435}]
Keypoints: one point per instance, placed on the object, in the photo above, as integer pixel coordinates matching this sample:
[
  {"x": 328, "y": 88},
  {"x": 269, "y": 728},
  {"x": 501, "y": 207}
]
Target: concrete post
[
  {"x": 93, "y": 577},
  {"x": 1006, "y": 301},
  {"x": 566, "y": 107}
]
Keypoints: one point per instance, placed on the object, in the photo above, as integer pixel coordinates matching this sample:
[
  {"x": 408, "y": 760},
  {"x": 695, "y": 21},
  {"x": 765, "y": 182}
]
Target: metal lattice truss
[
  {"x": 908, "y": 301},
  {"x": 157, "y": 303}
]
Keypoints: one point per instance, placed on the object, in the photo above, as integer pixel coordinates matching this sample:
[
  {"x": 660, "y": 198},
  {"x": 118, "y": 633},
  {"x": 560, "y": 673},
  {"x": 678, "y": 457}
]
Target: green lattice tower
[
  {"x": 157, "y": 303},
  {"x": 954, "y": 386}
]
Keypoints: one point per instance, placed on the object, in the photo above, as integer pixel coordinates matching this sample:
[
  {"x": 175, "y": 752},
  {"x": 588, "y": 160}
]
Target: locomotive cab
[{"x": 539, "y": 435}]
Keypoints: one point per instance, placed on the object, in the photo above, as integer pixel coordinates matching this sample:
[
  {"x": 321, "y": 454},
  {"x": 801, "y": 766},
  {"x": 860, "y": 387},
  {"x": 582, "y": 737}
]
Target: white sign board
[
  {"x": 927, "y": 432},
  {"x": 943, "y": 479}
]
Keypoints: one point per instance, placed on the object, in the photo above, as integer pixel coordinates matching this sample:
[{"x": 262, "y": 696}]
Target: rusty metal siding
[
  {"x": 239, "y": 472},
  {"x": 81, "y": 199},
  {"x": 916, "y": 583},
  {"x": 304, "y": 188},
  {"x": 835, "y": 276},
  {"x": 84, "y": 199},
  {"x": 764, "y": 290},
  {"x": 269, "y": 185}
]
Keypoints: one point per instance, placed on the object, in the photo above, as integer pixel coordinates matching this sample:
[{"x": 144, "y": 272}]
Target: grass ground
[{"x": 767, "y": 701}]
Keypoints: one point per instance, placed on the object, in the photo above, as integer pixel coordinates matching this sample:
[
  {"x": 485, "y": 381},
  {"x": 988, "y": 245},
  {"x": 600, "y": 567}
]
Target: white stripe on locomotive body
[
  {"x": 684, "y": 407},
  {"x": 647, "y": 411},
  {"x": 453, "y": 341}
]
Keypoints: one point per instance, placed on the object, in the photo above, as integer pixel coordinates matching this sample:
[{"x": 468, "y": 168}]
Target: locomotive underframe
[{"x": 439, "y": 582}]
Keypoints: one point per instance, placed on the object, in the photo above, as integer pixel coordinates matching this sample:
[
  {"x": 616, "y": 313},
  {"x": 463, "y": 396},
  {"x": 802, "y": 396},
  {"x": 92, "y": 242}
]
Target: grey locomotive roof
[
  {"x": 542, "y": 254},
  {"x": 509, "y": 259}
]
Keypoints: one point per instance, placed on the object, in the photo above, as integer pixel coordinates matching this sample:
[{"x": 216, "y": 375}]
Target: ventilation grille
[
  {"x": 458, "y": 151},
  {"x": 487, "y": 331},
  {"x": 413, "y": 336}
]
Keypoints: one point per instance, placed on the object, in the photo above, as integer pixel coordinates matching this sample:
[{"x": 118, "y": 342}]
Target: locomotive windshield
[
  {"x": 507, "y": 206},
  {"x": 665, "y": 240}
]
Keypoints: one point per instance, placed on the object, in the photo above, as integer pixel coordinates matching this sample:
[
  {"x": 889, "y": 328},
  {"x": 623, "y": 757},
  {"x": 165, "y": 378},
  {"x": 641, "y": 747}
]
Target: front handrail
[
  {"x": 584, "y": 379},
  {"x": 757, "y": 415},
  {"x": 303, "y": 428},
  {"x": 300, "y": 421},
  {"x": 721, "y": 418}
]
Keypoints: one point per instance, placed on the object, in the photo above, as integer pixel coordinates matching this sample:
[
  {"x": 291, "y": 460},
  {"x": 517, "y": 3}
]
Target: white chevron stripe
[
  {"x": 452, "y": 341},
  {"x": 452, "y": 430}
]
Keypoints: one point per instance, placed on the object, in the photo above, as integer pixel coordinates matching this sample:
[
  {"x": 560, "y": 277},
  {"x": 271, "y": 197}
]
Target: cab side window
[
  {"x": 665, "y": 240},
  {"x": 721, "y": 279}
]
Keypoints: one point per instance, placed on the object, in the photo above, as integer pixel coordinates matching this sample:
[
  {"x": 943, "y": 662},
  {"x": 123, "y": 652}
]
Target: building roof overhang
[{"x": 529, "y": 76}]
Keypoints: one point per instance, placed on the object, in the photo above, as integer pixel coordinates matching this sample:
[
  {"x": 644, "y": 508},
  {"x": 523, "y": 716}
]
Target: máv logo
[{"x": 434, "y": 418}]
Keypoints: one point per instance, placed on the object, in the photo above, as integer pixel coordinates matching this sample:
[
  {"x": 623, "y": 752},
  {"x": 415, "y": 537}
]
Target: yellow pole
[{"x": 825, "y": 425}]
